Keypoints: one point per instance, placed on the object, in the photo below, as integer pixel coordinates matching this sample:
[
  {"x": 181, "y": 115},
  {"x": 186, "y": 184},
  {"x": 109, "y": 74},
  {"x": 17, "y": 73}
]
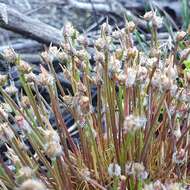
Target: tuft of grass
[{"x": 135, "y": 136}]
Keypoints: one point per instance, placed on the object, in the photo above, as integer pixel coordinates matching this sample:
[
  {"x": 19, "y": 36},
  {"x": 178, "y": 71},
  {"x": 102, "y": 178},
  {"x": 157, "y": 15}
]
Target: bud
[
  {"x": 142, "y": 73},
  {"x": 24, "y": 67},
  {"x": 45, "y": 78},
  {"x": 157, "y": 21},
  {"x": 45, "y": 57},
  {"x": 84, "y": 104},
  {"x": 166, "y": 82},
  {"x": 106, "y": 28},
  {"x": 9, "y": 55},
  {"x": 99, "y": 57},
  {"x": 25, "y": 102},
  {"x": 131, "y": 52},
  {"x": 53, "y": 51},
  {"x": 82, "y": 40},
  {"x": 116, "y": 34},
  {"x": 131, "y": 26},
  {"x": 31, "y": 77},
  {"x": 62, "y": 56},
  {"x": 82, "y": 55},
  {"x": 69, "y": 31},
  {"x": 68, "y": 100},
  {"x": 81, "y": 87},
  {"x": 121, "y": 77},
  {"x": 148, "y": 15},
  {"x": 119, "y": 53},
  {"x": 100, "y": 44}
]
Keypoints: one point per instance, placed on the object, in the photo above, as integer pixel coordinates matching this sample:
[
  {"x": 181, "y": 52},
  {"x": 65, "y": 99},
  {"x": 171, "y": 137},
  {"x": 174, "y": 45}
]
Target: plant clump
[{"x": 135, "y": 135}]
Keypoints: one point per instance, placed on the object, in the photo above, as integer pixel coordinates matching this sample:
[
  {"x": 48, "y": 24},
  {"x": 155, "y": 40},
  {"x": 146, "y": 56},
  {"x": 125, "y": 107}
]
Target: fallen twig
[{"x": 29, "y": 27}]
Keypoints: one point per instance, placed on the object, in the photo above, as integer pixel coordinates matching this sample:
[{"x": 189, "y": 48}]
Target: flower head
[
  {"x": 178, "y": 156},
  {"x": 45, "y": 77},
  {"x": 9, "y": 55},
  {"x": 157, "y": 185},
  {"x": 53, "y": 149},
  {"x": 130, "y": 77},
  {"x": 114, "y": 170},
  {"x": 136, "y": 169},
  {"x": 32, "y": 184},
  {"x": 6, "y": 132},
  {"x": 24, "y": 67},
  {"x": 11, "y": 90},
  {"x": 133, "y": 123},
  {"x": 23, "y": 124},
  {"x": 153, "y": 18}
]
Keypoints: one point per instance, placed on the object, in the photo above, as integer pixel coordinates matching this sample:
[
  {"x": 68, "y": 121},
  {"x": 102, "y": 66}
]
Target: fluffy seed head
[
  {"x": 6, "y": 132},
  {"x": 114, "y": 170},
  {"x": 23, "y": 124},
  {"x": 11, "y": 90},
  {"x": 133, "y": 123},
  {"x": 53, "y": 149},
  {"x": 24, "y": 67},
  {"x": 9, "y": 55},
  {"x": 131, "y": 26},
  {"x": 32, "y": 184}
]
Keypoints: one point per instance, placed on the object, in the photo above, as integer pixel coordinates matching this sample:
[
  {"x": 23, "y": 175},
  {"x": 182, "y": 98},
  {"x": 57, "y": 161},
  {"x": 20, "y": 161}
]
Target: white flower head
[
  {"x": 69, "y": 30},
  {"x": 114, "y": 170},
  {"x": 157, "y": 185},
  {"x": 23, "y": 124},
  {"x": 11, "y": 90},
  {"x": 175, "y": 186},
  {"x": 116, "y": 34},
  {"x": 136, "y": 169},
  {"x": 154, "y": 19},
  {"x": 6, "y": 132},
  {"x": 130, "y": 77},
  {"x": 26, "y": 172},
  {"x": 133, "y": 123},
  {"x": 157, "y": 21},
  {"x": 32, "y": 184},
  {"x": 178, "y": 157},
  {"x": 53, "y": 149},
  {"x": 9, "y": 55},
  {"x": 142, "y": 74},
  {"x": 106, "y": 28}
]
